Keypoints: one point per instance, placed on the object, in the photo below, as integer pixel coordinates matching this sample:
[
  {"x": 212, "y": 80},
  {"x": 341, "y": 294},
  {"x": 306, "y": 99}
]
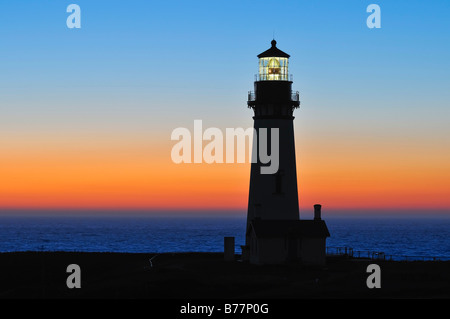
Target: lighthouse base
[{"x": 286, "y": 241}]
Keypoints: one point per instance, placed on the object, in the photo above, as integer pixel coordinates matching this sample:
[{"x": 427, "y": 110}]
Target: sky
[{"x": 86, "y": 115}]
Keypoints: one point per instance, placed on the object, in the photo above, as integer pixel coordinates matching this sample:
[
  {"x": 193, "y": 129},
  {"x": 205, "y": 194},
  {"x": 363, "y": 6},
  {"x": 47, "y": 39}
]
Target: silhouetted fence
[{"x": 378, "y": 255}]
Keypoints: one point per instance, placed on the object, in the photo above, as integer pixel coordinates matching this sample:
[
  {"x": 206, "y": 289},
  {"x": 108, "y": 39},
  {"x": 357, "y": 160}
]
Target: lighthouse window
[{"x": 273, "y": 69}]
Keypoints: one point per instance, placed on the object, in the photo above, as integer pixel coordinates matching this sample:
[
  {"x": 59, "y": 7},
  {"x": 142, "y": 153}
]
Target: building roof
[
  {"x": 273, "y": 52},
  {"x": 289, "y": 228}
]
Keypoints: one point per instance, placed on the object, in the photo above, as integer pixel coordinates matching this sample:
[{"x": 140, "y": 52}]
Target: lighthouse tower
[
  {"x": 274, "y": 196},
  {"x": 274, "y": 231}
]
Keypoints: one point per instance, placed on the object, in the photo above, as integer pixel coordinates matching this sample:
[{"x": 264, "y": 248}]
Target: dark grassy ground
[{"x": 207, "y": 275}]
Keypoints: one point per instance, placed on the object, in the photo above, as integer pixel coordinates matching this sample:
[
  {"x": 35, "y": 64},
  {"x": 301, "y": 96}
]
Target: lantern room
[{"x": 273, "y": 64}]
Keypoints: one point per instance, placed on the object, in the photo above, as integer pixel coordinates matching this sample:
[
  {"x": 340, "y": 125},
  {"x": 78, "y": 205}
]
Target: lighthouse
[{"x": 274, "y": 233}]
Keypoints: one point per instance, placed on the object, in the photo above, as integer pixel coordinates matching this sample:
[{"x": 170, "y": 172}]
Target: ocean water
[{"x": 428, "y": 237}]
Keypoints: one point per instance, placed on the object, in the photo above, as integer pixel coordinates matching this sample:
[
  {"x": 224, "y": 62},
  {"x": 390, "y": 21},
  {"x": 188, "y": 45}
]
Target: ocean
[{"x": 416, "y": 237}]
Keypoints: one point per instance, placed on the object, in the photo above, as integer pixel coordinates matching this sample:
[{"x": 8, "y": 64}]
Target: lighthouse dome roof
[{"x": 273, "y": 52}]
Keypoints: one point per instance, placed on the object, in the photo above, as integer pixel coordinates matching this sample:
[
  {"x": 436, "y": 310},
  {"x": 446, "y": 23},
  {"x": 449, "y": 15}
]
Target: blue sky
[
  {"x": 139, "y": 69},
  {"x": 186, "y": 55}
]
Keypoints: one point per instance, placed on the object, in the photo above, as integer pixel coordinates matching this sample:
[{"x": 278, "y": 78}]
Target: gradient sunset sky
[{"x": 86, "y": 115}]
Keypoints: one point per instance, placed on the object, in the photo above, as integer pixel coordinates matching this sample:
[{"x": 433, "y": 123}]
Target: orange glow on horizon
[{"x": 142, "y": 176}]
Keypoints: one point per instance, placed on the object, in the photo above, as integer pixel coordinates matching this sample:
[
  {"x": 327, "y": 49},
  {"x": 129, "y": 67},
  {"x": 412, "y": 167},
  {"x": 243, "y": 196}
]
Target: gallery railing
[
  {"x": 274, "y": 77},
  {"x": 295, "y": 96}
]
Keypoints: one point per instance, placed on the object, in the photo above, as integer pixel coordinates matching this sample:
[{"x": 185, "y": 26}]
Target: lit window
[{"x": 273, "y": 69}]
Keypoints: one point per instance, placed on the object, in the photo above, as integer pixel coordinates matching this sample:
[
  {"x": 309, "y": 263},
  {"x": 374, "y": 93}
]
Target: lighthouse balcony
[
  {"x": 295, "y": 97},
  {"x": 251, "y": 96},
  {"x": 274, "y": 76}
]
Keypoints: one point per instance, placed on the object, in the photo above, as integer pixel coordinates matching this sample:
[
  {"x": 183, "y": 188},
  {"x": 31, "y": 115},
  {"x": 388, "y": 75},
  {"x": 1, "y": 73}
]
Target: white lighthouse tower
[{"x": 274, "y": 232}]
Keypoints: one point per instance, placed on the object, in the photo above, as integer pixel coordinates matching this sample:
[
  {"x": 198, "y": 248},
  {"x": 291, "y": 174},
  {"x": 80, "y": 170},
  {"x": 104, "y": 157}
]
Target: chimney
[{"x": 317, "y": 211}]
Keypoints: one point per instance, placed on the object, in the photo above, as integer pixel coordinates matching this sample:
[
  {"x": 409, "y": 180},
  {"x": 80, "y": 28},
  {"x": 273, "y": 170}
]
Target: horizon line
[{"x": 216, "y": 212}]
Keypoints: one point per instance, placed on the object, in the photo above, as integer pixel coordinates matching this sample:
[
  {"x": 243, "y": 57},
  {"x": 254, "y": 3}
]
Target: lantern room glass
[{"x": 273, "y": 69}]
